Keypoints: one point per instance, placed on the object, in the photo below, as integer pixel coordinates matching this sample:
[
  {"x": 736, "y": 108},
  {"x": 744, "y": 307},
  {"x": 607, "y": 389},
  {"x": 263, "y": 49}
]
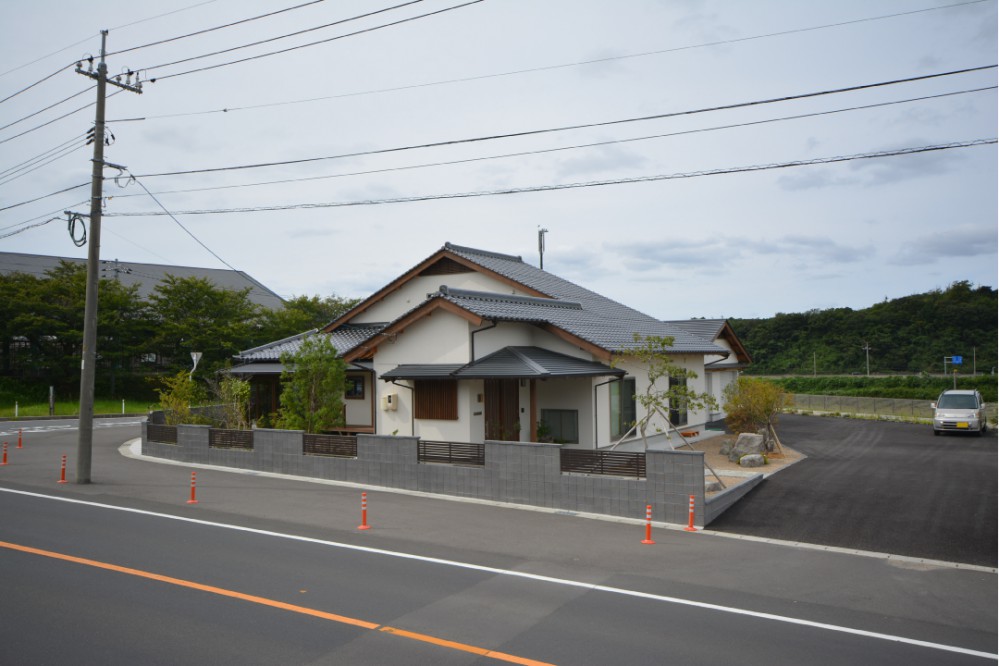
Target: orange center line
[{"x": 343, "y": 619}]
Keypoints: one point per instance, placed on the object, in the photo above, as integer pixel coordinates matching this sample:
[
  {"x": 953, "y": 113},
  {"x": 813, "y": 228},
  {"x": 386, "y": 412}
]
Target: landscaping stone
[
  {"x": 752, "y": 460},
  {"x": 746, "y": 444}
]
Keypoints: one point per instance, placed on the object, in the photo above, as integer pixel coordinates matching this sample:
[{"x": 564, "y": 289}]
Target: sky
[{"x": 650, "y": 193}]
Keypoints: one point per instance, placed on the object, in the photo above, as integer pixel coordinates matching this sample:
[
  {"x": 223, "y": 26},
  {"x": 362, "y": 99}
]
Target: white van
[{"x": 959, "y": 411}]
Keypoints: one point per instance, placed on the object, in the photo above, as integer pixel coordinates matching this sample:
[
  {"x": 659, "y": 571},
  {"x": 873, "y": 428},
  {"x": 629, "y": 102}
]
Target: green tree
[
  {"x": 233, "y": 397},
  {"x": 312, "y": 387},
  {"x": 302, "y": 313},
  {"x": 753, "y": 405},
  {"x": 194, "y": 315},
  {"x": 668, "y": 390},
  {"x": 178, "y": 394}
]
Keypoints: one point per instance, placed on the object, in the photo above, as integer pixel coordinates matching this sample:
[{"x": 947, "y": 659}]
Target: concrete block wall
[{"x": 515, "y": 472}]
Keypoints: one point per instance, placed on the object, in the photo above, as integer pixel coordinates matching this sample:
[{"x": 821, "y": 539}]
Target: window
[
  {"x": 678, "y": 407},
  {"x": 436, "y": 399},
  {"x": 354, "y": 389},
  {"x": 562, "y": 424},
  {"x": 622, "y": 406}
]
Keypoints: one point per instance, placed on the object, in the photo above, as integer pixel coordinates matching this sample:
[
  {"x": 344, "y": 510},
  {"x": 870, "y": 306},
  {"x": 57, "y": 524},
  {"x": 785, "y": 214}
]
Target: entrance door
[{"x": 502, "y": 409}]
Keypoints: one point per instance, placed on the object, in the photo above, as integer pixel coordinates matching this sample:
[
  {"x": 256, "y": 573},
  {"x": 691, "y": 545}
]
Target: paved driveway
[{"x": 878, "y": 486}]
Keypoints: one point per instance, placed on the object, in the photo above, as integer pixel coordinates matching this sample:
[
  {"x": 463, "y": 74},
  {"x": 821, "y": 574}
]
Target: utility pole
[
  {"x": 88, "y": 365},
  {"x": 867, "y": 348},
  {"x": 541, "y": 246}
]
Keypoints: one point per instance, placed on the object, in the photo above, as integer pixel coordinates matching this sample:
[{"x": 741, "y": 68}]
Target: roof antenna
[{"x": 541, "y": 246}]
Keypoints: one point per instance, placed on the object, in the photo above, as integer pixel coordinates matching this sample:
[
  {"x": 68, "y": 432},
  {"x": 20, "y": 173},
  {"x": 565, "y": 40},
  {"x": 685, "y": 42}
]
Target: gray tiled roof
[
  {"x": 344, "y": 339},
  {"x": 597, "y": 319},
  {"x": 146, "y": 276},
  {"x": 705, "y": 328},
  {"x": 596, "y": 322},
  {"x": 522, "y": 362},
  {"x": 509, "y": 362}
]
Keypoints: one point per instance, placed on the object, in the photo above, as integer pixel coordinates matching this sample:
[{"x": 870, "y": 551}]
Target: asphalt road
[
  {"x": 436, "y": 581},
  {"x": 878, "y": 486},
  {"x": 150, "y": 590}
]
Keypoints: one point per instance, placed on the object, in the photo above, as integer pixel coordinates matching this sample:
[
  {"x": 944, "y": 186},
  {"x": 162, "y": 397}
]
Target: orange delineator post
[
  {"x": 4, "y": 454},
  {"x": 364, "y": 513},
  {"x": 19, "y": 432},
  {"x": 690, "y": 519},
  {"x": 194, "y": 478},
  {"x": 648, "y": 525},
  {"x": 62, "y": 473}
]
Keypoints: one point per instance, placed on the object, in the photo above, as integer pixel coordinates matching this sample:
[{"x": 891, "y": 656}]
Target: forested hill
[{"x": 911, "y": 334}]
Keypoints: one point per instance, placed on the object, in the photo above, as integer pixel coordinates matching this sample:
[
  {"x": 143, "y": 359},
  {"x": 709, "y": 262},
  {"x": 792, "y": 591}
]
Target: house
[{"x": 471, "y": 345}]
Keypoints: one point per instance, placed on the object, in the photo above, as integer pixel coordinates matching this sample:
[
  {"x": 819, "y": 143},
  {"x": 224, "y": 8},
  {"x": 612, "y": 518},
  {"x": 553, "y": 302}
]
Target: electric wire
[
  {"x": 30, "y": 222},
  {"x": 42, "y": 155},
  {"x": 218, "y": 27},
  {"x": 51, "y": 106},
  {"x": 24, "y": 171},
  {"x": 577, "y": 185},
  {"x": 172, "y": 217},
  {"x": 536, "y": 132},
  {"x": 595, "y": 144},
  {"x": 89, "y": 37},
  {"x": 46, "y": 196},
  {"x": 39, "y": 81},
  {"x": 302, "y": 46},
  {"x": 54, "y": 120},
  {"x": 540, "y": 69}
]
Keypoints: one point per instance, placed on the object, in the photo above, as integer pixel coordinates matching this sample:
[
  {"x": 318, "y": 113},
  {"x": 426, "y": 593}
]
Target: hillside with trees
[{"x": 909, "y": 335}]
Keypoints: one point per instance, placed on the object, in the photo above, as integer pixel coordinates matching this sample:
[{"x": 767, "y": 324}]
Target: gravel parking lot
[{"x": 878, "y": 486}]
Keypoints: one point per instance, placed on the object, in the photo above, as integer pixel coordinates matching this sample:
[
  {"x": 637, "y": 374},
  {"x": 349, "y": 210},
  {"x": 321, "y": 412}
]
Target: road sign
[{"x": 956, "y": 360}]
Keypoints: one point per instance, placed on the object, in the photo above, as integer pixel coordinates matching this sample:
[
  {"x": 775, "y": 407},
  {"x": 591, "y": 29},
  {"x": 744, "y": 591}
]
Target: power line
[
  {"x": 546, "y": 67},
  {"x": 54, "y": 120},
  {"x": 41, "y": 155},
  {"x": 567, "y": 148},
  {"x": 578, "y": 185},
  {"x": 89, "y": 37},
  {"x": 27, "y": 224},
  {"x": 564, "y": 128},
  {"x": 302, "y": 46},
  {"x": 25, "y": 170},
  {"x": 51, "y": 106},
  {"x": 46, "y": 196},
  {"x": 218, "y": 27},
  {"x": 188, "y": 231}
]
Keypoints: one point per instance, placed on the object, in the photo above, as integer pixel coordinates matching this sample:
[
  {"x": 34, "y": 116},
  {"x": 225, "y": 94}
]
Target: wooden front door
[{"x": 502, "y": 409}]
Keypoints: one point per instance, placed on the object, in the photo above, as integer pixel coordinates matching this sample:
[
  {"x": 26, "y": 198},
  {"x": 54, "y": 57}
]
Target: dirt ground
[{"x": 711, "y": 446}]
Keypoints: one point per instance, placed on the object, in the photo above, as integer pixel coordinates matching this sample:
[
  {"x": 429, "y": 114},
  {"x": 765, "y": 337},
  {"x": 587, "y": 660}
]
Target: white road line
[{"x": 530, "y": 576}]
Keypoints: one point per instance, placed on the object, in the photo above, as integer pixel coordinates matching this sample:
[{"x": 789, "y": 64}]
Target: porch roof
[{"x": 509, "y": 363}]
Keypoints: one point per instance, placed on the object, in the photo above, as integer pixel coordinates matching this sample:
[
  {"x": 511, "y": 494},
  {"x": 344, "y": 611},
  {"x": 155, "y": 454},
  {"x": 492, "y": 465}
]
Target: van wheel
[{"x": 936, "y": 433}]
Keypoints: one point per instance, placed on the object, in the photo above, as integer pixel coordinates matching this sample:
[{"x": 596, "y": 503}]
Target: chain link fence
[{"x": 898, "y": 408}]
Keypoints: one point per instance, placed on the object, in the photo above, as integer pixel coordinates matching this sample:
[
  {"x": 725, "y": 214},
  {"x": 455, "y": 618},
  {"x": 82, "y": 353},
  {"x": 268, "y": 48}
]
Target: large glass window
[
  {"x": 622, "y": 406},
  {"x": 562, "y": 425},
  {"x": 678, "y": 407}
]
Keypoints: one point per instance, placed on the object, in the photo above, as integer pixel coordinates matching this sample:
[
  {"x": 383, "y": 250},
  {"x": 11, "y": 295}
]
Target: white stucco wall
[
  {"x": 358, "y": 411},
  {"x": 414, "y": 292}
]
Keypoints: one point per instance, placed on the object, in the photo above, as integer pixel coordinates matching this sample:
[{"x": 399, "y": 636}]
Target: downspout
[
  {"x": 412, "y": 408},
  {"x": 596, "y": 418},
  {"x": 471, "y": 337}
]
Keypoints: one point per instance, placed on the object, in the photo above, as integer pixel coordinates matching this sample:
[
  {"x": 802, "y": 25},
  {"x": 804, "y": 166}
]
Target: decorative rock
[
  {"x": 712, "y": 486},
  {"x": 746, "y": 444},
  {"x": 752, "y": 460}
]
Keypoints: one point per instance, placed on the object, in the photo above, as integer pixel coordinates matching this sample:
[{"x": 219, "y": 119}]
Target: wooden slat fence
[
  {"x": 451, "y": 453},
  {"x": 611, "y": 463},
  {"x": 339, "y": 446},
  {"x": 230, "y": 439},
  {"x": 165, "y": 434}
]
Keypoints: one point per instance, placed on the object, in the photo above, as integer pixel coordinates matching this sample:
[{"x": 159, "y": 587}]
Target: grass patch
[{"x": 101, "y": 407}]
